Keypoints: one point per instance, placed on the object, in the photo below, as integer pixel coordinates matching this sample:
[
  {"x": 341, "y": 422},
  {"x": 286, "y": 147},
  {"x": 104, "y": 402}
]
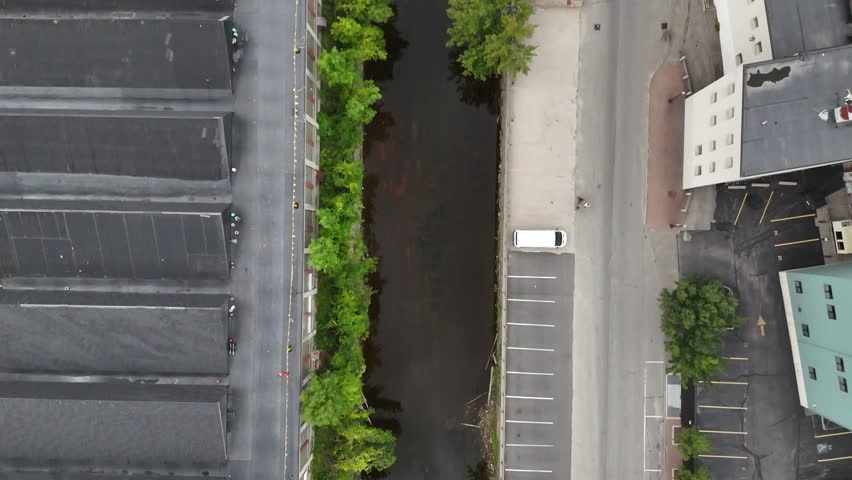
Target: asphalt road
[
  {"x": 538, "y": 364},
  {"x": 261, "y": 282}
]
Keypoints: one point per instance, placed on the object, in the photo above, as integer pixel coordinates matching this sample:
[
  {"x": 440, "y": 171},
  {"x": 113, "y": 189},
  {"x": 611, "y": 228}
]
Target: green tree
[
  {"x": 491, "y": 34},
  {"x": 364, "y": 11},
  {"x": 694, "y": 315},
  {"x": 366, "y": 40},
  {"x": 339, "y": 67},
  {"x": 330, "y": 396},
  {"x": 692, "y": 443},
  {"x": 364, "y": 448},
  {"x": 325, "y": 255},
  {"x": 700, "y": 474}
]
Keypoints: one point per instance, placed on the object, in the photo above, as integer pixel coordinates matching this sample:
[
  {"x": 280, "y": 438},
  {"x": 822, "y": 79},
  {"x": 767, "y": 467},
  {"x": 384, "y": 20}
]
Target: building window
[
  {"x": 799, "y": 309},
  {"x": 729, "y": 113},
  {"x": 798, "y": 286},
  {"x": 698, "y": 150},
  {"x": 732, "y": 88},
  {"x": 831, "y": 314},
  {"x": 729, "y": 162},
  {"x": 806, "y": 330},
  {"x": 697, "y": 170},
  {"x": 842, "y": 384},
  {"x": 758, "y": 48},
  {"x": 838, "y": 362},
  {"x": 712, "y": 167},
  {"x": 812, "y": 373},
  {"x": 712, "y": 120},
  {"x": 754, "y": 23},
  {"x": 712, "y": 145},
  {"x": 729, "y": 139},
  {"x": 713, "y": 97},
  {"x": 827, "y": 289},
  {"x": 739, "y": 59}
]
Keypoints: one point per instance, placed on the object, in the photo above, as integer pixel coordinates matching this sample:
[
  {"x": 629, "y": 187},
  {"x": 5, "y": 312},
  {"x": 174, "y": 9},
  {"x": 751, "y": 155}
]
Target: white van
[{"x": 540, "y": 238}]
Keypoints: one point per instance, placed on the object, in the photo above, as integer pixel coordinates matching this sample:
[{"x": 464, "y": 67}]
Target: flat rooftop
[
  {"x": 65, "y": 7},
  {"x": 134, "y": 144},
  {"x": 103, "y": 244},
  {"x": 88, "y": 333},
  {"x": 797, "y": 26},
  {"x": 80, "y": 424},
  {"x": 781, "y": 127},
  {"x": 101, "y": 53}
]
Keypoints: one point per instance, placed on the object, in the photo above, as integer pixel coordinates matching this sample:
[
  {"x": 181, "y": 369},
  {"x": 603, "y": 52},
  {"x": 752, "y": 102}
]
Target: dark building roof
[
  {"x": 135, "y": 144},
  {"x": 20, "y": 475},
  {"x": 138, "y": 245},
  {"x": 113, "y": 333},
  {"x": 196, "y": 7},
  {"x": 797, "y": 26},
  {"x": 781, "y": 99},
  {"x": 154, "y": 426},
  {"x": 113, "y": 54}
]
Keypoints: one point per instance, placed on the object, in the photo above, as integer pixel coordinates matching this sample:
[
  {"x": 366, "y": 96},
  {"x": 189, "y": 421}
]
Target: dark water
[{"x": 431, "y": 165}]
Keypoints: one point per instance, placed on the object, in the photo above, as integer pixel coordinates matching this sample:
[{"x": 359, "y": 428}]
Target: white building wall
[
  {"x": 712, "y": 132},
  {"x": 743, "y": 32}
]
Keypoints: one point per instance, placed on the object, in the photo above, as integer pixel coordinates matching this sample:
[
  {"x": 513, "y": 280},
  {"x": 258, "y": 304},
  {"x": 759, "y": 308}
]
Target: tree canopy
[
  {"x": 491, "y": 34},
  {"x": 700, "y": 473},
  {"x": 692, "y": 443},
  {"x": 694, "y": 315}
]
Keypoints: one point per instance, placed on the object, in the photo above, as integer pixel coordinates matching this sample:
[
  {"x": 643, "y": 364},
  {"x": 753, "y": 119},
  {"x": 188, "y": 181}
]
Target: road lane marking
[
  {"x": 798, "y": 242},
  {"x": 740, "y": 211},
  {"x": 532, "y": 276},
  {"x": 738, "y": 359},
  {"x": 721, "y": 407},
  {"x": 653, "y": 416},
  {"x": 808, "y": 215},
  {"x": 766, "y": 207},
  {"x": 654, "y": 361},
  {"x": 535, "y": 445},
  {"x": 531, "y": 422},
  {"x": 521, "y": 397},
  {"x": 531, "y": 300},
  {"x": 726, "y": 382},
  {"x": 518, "y": 324},
  {"x": 734, "y": 457},
  {"x": 724, "y": 432},
  {"x": 823, "y": 460},
  {"x": 510, "y": 372},
  {"x": 530, "y": 349},
  {"x": 521, "y": 470},
  {"x": 826, "y": 435}
]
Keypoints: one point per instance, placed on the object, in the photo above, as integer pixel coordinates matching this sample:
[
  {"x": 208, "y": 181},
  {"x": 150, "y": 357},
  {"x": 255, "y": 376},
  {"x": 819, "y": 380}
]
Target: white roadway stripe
[
  {"x": 529, "y": 422},
  {"x": 521, "y": 470},
  {"x": 532, "y": 276},
  {"x": 531, "y": 300},
  {"x": 510, "y": 372},
  {"x": 517, "y": 324},
  {"x": 521, "y": 397},
  {"x": 528, "y": 445},
  {"x": 532, "y": 349}
]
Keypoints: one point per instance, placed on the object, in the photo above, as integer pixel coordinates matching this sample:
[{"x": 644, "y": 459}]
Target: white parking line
[
  {"x": 528, "y": 445},
  {"x": 532, "y": 349},
  {"x": 510, "y": 372},
  {"x": 530, "y": 324},
  {"x": 521, "y": 470},
  {"x": 532, "y": 276},
  {"x": 520, "y": 397},
  {"x": 531, "y": 300},
  {"x": 531, "y": 422}
]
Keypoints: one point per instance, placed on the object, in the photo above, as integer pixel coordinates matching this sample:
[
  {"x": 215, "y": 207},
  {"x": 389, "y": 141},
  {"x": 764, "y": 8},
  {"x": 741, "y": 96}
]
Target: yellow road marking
[
  {"x": 823, "y": 460},
  {"x": 724, "y": 432},
  {"x": 721, "y": 407},
  {"x": 808, "y": 215},
  {"x": 741, "y": 208},
  {"x": 766, "y": 207},
  {"x": 735, "y": 457},
  {"x": 798, "y": 242},
  {"x": 832, "y": 435},
  {"x": 743, "y": 359}
]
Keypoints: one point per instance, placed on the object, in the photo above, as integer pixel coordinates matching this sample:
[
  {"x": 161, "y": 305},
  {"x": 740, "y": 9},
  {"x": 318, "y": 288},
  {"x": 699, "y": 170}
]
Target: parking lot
[
  {"x": 538, "y": 365},
  {"x": 752, "y": 413}
]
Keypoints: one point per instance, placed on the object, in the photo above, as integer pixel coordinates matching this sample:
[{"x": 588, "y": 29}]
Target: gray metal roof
[
  {"x": 143, "y": 245},
  {"x": 797, "y": 26},
  {"x": 65, "y": 7},
  {"x": 136, "y": 144},
  {"x": 20, "y": 475},
  {"x": 113, "y": 333},
  {"x": 781, "y": 99},
  {"x": 117, "y": 54},
  {"x": 154, "y": 426}
]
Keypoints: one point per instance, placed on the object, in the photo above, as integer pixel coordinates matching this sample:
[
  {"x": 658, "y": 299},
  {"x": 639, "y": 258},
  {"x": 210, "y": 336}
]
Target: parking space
[{"x": 538, "y": 365}]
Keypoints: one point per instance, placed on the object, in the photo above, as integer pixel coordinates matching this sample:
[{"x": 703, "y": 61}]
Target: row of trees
[
  {"x": 694, "y": 316},
  {"x": 346, "y": 445},
  {"x": 491, "y": 34}
]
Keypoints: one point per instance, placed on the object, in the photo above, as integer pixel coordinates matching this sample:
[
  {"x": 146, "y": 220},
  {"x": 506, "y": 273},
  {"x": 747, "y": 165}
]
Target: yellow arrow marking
[{"x": 761, "y": 324}]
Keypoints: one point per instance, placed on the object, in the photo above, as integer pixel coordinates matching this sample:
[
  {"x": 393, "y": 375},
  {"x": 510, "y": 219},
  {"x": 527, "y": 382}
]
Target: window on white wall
[
  {"x": 754, "y": 23},
  {"x": 697, "y": 170},
  {"x": 712, "y": 167},
  {"x": 713, "y": 97},
  {"x": 729, "y": 162},
  {"x": 698, "y": 150},
  {"x": 712, "y": 120},
  {"x": 732, "y": 88},
  {"x": 712, "y": 145},
  {"x": 739, "y": 59},
  {"x": 758, "y": 48},
  {"x": 729, "y": 113},
  {"x": 729, "y": 139}
]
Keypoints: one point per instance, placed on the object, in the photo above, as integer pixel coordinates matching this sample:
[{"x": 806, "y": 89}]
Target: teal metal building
[{"x": 818, "y": 306}]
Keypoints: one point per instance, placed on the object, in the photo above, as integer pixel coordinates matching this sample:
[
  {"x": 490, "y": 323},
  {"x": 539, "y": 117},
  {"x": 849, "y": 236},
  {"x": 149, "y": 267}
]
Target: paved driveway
[{"x": 538, "y": 365}]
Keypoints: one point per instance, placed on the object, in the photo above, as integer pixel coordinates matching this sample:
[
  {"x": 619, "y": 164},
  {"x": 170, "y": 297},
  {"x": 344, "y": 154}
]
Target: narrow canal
[{"x": 431, "y": 164}]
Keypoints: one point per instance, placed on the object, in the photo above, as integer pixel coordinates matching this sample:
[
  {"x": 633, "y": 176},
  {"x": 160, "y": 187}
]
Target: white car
[{"x": 539, "y": 238}]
